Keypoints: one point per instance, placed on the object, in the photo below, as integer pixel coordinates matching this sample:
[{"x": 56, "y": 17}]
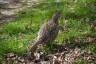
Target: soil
[
  {"x": 9, "y": 8},
  {"x": 61, "y": 54}
]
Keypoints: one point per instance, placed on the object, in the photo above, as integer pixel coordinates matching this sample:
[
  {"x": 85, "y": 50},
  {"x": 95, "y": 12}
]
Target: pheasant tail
[{"x": 34, "y": 46}]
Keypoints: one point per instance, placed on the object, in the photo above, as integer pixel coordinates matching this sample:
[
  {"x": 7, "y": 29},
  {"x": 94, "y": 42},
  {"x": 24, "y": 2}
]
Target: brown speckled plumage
[{"x": 47, "y": 33}]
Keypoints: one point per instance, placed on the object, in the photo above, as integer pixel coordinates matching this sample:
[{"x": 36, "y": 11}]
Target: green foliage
[{"x": 23, "y": 30}]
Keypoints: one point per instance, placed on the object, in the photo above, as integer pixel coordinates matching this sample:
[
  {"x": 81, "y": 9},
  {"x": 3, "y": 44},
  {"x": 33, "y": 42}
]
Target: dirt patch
[
  {"x": 61, "y": 54},
  {"x": 9, "y": 8},
  {"x": 65, "y": 57}
]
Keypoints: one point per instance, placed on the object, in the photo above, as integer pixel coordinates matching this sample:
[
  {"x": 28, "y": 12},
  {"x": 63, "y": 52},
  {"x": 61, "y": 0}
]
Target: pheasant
[{"x": 47, "y": 33}]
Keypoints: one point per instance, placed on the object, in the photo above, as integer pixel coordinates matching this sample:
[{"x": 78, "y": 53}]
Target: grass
[{"x": 22, "y": 31}]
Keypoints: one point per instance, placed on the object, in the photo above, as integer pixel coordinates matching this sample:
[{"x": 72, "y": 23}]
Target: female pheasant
[{"x": 47, "y": 33}]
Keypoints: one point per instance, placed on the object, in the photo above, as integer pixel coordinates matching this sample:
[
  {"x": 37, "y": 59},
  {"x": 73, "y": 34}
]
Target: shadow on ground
[{"x": 66, "y": 53}]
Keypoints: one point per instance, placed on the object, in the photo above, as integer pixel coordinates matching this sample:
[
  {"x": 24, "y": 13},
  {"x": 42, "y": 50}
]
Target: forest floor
[{"x": 20, "y": 22}]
